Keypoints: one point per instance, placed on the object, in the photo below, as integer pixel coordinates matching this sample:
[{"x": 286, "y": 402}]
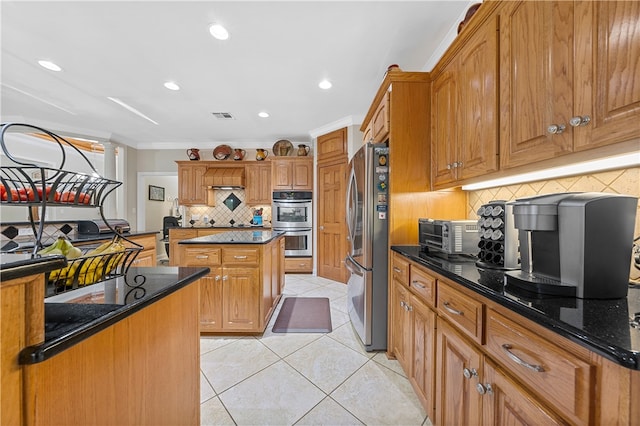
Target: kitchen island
[
  {"x": 123, "y": 351},
  {"x": 245, "y": 283}
]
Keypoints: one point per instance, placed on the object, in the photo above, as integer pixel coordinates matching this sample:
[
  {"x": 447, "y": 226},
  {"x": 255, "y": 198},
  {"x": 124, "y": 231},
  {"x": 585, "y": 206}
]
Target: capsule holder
[{"x": 498, "y": 237}]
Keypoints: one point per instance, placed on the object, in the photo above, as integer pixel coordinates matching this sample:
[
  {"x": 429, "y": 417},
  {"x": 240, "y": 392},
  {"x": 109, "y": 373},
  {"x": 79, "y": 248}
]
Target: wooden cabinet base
[{"x": 143, "y": 370}]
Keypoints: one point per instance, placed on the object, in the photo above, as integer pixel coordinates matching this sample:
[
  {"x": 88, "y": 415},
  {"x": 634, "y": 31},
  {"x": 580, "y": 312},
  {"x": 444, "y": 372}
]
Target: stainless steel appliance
[
  {"x": 292, "y": 209},
  {"x": 498, "y": 236},
  {"x": 292, "y": 212},
  {"x": 456, "y": 237},
  {"x": 575, "y": 244},
  {"x": 367, "y": 258}
]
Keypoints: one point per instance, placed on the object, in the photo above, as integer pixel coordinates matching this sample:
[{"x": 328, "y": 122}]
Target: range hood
[{"x": 224, "y": 178}]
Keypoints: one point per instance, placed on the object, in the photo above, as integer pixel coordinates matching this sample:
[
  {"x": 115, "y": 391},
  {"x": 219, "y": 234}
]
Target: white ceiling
[{"x": 277, "y": 53}]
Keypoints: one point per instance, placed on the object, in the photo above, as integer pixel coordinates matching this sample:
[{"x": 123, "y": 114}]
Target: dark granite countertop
[
  {"x": 14, "y": 266},
  {"x": 607, "y": 327},
  {"x": 245, "y": 236},
  {"x": 74, "y": 316}
]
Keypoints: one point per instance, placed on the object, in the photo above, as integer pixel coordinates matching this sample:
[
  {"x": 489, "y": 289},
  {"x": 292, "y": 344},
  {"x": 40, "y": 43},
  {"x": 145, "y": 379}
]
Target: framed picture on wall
[{"x": 156, "y": 193}]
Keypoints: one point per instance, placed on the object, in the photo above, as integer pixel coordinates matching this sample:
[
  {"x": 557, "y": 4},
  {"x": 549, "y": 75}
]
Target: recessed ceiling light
[
  {"x": 325, "y": 84},
  {"x": 171, "y": 85},
  {"x": 219, "y": 32},
  {"x": 263, "y": 114},
  {"x": 49, "y": 65}
]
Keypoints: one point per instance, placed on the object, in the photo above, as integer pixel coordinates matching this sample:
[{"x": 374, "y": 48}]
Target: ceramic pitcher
[
  {"x": 238, "y": 154},
  {"x": 261, "y": 154},
  {"x": 303, "y": 150},
  {"x": 193, "y": 154}
]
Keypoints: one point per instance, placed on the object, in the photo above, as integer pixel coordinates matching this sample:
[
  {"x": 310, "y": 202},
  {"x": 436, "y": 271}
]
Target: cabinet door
[
  {"x": 191, "y": 189},
  {"x": 477, "y": 119},
  {"x": 536, "y": 80},
  {"x": 258, "y": 187},
  {"x": 302, "y": 175},
  {"x": 211, "y": 301},
  {"x": 380, "y": 120},
  {"x": 241, "y": 299},
  {"x": 444, "y": 135},
  {"x": 332, "y": 228},
  {"x": 367, "y": 135},
  {"x": 457, "y": 401},
  {"x": 332, "y": 145},
  {"x": 607, "y": 72},
  {"x": 424, "y": 350},
  {"x": 506, "y": 403},
  {"x": 145, "y": 258},
  {"x": 402, "y": 326},
  {"x": 281, "y": 175}
]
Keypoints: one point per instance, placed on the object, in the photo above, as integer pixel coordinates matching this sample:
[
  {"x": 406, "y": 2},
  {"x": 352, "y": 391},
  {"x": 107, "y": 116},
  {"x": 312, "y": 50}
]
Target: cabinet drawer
[
  {"x": 400, "y": 269},
  {"x": 423, "y": 284},
  {"x": 297, "y": 264},
  {"x": 461, "y": 310},
  {"x": 148, "y": 242},
  {"x": 559, "y": 377},
  {"x": 240, "y": 256},
  {"x": 182, "y": 234},
  {"x": 200, "y": 256}
]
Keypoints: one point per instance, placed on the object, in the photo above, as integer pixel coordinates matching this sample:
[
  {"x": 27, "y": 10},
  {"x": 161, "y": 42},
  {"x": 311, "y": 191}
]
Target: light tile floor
[{"x": 304, "y": 379}]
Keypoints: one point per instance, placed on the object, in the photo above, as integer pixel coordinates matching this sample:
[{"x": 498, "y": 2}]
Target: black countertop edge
[
  {"x": 18, "y": 266},
  {"x": 626, "y": 358},
  {"x": 39, "y": 353},
  {"x": 240, "y": 236}
]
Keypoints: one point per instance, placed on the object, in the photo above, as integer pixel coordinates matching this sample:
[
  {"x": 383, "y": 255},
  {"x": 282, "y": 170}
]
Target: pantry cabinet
[
  {"x": 292, "y": 173},
  {"x": 191, "y": 186},
  {"x": 570, "y": 79},
  {"x": 464, "y": 94}
]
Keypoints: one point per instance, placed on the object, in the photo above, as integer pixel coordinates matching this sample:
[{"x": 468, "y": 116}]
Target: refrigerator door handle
[
  {"x": 348, "y": 263},
  {"x": 351, "y": 203}
]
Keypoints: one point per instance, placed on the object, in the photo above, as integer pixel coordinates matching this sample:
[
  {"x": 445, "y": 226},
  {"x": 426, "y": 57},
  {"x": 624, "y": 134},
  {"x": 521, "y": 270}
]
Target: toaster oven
[{"x": 451, "y": 237}]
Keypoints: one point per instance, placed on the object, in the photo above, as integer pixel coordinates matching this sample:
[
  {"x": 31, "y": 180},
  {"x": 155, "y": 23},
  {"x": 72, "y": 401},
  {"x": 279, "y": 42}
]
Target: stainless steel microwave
[{"x": 449, "y": 236}]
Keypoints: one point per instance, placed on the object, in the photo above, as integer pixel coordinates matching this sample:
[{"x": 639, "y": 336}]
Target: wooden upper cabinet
[
  {"x": 292, "y": 173},
  {"x": 464, "y": 100},
  {"x": 332, "y": 145},
  {"x": 380, "y": 120},
  {"x": 570, "y": 78},
  {"x": 258, "y": 186},
  {"x": 607, "y": 71},
  {"x": 367, "y": 135},
  {"x": 191, "y": 187}
]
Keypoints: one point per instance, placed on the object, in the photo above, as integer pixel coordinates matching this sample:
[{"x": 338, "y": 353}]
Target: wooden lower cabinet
[
  {"x": 302, "y": 265},
  {"x": 148, "y": 256},
  {"x": 243, "y": 287},
  {"x": 507, "y": 403},
  {"x": 458, "y": 368},
  {"x": 422, "y": 376},
  {"x": 401, "y": 325}
]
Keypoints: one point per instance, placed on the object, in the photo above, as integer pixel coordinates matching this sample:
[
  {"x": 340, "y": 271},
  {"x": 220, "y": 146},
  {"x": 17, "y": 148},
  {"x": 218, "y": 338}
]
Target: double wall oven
[{"x": 291, "y": 212}]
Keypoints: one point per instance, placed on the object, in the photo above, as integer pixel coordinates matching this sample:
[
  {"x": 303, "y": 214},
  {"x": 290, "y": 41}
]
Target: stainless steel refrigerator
[{"x": 367, "y": 225}]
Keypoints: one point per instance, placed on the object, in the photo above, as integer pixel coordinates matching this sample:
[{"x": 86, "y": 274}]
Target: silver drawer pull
[
  {"x": 202, "y": 256},
  {"x": 453, "y": 311},
  {"x": 396, "y": 270},
  {"x": 418, "y": 284},
  {"x": 240, "y": 257},
  {"x": 217, "y": 278},
  {"x": 537, "y": 368}
]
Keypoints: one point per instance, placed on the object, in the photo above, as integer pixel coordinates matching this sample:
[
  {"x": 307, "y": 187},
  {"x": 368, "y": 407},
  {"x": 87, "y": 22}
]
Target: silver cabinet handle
[
  {"x": 202, "y": 256},
  {"x": 415, "y": 282},
  {"x": 556, "y": 129},
  {"x": 449, "y": 167},
  {"x": 469, "y": 373},
  {"x": 398, "y": 270},
  {"x": 486, "y": 388},
  {"x": 240, "y": 257},
  {"x": 507, "y": 348},
  {"x": 217, "y": 278},
  {"x": 453, "y": 311},
  {"x": 579, "y": 121},
  {"x": 225, "y": 278}
]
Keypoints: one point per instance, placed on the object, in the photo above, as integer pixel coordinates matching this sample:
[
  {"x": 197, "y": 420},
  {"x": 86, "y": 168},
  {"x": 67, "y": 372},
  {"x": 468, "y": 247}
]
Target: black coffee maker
[{"x": 575, "y": 244}]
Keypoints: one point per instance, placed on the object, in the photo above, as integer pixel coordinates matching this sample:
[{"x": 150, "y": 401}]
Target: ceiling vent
[{"x": 223, "y": 115}]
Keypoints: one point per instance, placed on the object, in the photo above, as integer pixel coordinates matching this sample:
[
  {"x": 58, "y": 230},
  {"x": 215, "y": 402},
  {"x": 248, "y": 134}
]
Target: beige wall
[{"x": 624, "y": 181}]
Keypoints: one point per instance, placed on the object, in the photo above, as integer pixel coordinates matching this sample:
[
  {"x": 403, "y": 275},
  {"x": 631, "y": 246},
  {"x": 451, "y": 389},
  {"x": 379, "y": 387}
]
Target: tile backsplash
[
  {"x": 222, "y": 214},
  {"x": 623, "y": 181}
]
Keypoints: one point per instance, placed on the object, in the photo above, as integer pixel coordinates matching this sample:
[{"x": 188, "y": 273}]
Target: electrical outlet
[
  {"x": 25, "y": 231},
  {"x": 195, "y": 217}
]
